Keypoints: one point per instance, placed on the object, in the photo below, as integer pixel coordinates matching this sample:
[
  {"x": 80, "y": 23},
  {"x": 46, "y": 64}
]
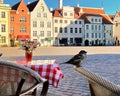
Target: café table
[{"x": 48, "y": 69}]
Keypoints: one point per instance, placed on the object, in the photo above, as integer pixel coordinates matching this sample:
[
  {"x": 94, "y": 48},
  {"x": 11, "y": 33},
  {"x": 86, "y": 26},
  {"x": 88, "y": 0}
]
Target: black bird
[
  {"x": 78, "y": 59},
  {"x": 0, "y": 54}
]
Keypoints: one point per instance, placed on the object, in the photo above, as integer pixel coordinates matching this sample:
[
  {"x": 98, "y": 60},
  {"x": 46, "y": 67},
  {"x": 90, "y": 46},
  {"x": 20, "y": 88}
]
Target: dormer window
[
  {"x": 65, "y": 14},
  {"x": 92, "y": 19},
  {"x": 71, "y": 14}
]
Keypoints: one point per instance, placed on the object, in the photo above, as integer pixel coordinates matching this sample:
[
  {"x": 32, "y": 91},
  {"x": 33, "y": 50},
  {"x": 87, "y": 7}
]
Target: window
[
  {"x": 56, "y": 21},
  {"x": 22, "y": 29},
  {"x": 11, "y": 29},
  {"x": 116, "y": 24},
  {"x": 34, "y": 33},
  {"x": 87, "y": 27},
  {"x": 99, "y": 35},
  {"x": 87, "y": 35},
  {"x": 3, "y": 28},
  {"x": 12, "y": 19},
  {"x": 41, "y": 24},
  {"x": 71, "y": 30},
  {"x": 95, "y": 27},
  {"x": 75, "y": 22},
  {"x": 45, "y": 15},
  {"x": 92, "y": 35},
  {"x": 22, "y": 10},
  {"x": 99, "y": 27},
  {"x": 42, "y": 33},
  {"x": 65, "y": 14},
  {"x": 34, "y": 23},
  {"x": 99, "y": 20},
  {"x": 3, "y": 39},
  {"x": 49, "y": 24},
  {"x": 104, "y": 35},
  {"x": 49, "y": 33},
  {"x": 2, "y": 14},
  {"x": 56, "y": 29},
  {"x": 60, "y": 21},
  {"x": 71, "y": 40},
  {"x": 22, "y": 19},
  {"x": 95, "y": 20},
  {"x": 80, "y": 22},
  {"x": 38, "y": 14},
  {"x": 75, "y": 30},
  {"x": 60, "y": 29},
  {"x": 95, "y": 35},
  {"x": 71, "y": 22},
  {"x": 80, "y": 30},
  {"x": 65, "y": 21},
  {"x": 71, "y": 14},
  {"x": 92, "y": 27},
  {"x": 65, "y": 30},
  {"x": 92, "y": 19}
]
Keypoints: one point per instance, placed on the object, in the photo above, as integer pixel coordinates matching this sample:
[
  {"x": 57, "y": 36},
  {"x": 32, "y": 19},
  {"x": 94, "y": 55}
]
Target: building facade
[
  {"x": 68, "y": 29},
  {"x": 82, "y": 26},
  {"x": 65, "y": 25},
  {"x": 4, "y": 24},
  {"x": 19, "y": 23},
  {"x": 41, "y": 23},
  {"x": 98, "y": 26},
  {"x": 116, "y": 25}
]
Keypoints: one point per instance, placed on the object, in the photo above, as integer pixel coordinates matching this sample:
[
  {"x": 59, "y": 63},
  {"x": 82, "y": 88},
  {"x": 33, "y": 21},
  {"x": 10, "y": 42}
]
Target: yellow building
[{"x": 4, "y": 24}]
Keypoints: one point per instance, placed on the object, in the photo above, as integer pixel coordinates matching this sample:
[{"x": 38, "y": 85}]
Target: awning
[
  {"x": 49, "y": 38},
  {"x": 23, "y": 37}
]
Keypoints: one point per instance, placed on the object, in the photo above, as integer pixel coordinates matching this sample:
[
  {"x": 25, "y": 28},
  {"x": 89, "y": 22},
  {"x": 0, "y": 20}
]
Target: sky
[{"x": 110, "y": 6}]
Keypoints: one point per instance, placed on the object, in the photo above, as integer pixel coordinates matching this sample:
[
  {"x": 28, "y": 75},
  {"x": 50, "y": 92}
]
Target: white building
[
  {"x": 98, "y": 26},
  {"x": 41, "y": 23},
  {"x": 68, "y": 28},
  {"x": 82, "y": 26}
]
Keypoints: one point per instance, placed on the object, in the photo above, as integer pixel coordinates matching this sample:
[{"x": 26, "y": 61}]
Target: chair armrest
[{"x": 98, "y": 84}]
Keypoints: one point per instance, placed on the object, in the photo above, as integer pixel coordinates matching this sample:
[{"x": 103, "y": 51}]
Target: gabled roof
[
  {"x": 118, "y": 13},
  {"x": 14, "y": 7},
  {"x": 85, "y": 15},
  {"x": 57, "y": 12},
  {"x": 106, "y": 19},
  {"x": 112, "y": 17},
  {"x": 93, "y": 10},
  {"x": 32, "y": 5}
]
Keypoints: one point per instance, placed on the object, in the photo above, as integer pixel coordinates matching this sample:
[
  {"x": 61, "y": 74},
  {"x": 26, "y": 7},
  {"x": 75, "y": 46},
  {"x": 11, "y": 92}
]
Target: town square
[{"x": 59, "y": 48}]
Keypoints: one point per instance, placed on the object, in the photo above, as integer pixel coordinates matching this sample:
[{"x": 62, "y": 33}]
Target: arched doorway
[{"x": 86, "y": 42}]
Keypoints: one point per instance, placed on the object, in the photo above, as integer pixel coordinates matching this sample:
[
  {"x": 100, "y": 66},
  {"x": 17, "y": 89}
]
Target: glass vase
[{"x": 28, "y": 56}]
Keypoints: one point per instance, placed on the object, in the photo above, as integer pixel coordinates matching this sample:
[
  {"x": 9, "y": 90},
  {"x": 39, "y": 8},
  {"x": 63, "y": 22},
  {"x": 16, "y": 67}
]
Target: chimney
[
  {"x": 1, "y": 1},
  {"x": 78, "y": 5},
  {"x": 60, "y": 3},
  {"x": 51, "y": 9}
]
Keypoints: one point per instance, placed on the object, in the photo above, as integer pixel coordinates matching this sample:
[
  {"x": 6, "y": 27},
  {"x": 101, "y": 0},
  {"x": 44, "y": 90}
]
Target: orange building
[{"x": 19, "y": 22}]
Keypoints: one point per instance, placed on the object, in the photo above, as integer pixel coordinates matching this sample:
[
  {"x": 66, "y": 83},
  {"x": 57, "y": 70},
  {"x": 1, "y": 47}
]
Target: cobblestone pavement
[{"x": 74, "y": 84}]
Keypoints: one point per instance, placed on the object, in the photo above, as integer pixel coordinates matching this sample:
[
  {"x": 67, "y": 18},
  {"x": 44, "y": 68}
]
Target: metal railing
[{"x": 98, "y": 85}]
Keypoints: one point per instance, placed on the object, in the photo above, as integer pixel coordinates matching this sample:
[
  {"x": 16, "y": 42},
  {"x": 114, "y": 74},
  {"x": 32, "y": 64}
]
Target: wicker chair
[
  {"x": 18, "y": 80},
  {"x": 98, "y": 85}
]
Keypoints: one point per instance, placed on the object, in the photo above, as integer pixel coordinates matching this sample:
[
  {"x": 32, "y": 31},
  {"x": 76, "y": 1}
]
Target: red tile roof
[
  {"x": 57, "y": 12},
  {"x": 84, "y": 16},
  {"x": 82, "y": 13},
  {"x": 118, "y": 13},
  {"x": 94, "y": 10}
]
